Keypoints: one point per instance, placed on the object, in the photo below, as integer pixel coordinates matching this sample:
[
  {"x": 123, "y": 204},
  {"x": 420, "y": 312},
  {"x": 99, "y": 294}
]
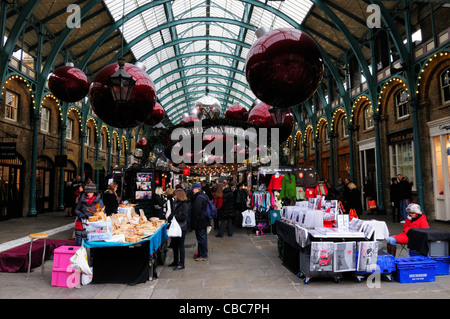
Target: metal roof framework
[{"x": 188, "y": 47}]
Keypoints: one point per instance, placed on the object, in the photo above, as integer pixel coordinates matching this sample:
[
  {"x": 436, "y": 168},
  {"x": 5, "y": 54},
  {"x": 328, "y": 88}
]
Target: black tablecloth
[
  {"x": 122, "y": 265},
  {"x": 419, "y": 238},
  {"x": 291, "y": 249},
  {"x": 287, "y": 233}
]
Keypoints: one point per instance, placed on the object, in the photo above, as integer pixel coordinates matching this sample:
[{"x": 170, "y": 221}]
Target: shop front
[
  {"x": 440, "y": 152},
  {"x": 11, "y": 187}
]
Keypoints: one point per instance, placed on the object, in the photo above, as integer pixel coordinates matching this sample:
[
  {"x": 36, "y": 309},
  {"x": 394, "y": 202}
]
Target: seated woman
[{"x": 415, "y": 220}]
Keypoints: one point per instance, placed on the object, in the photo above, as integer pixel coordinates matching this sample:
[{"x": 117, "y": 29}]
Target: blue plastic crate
[
  {"x": 415, "y": 269},
  {"x": 442, "y": 263},
  {"x": 385, "y": 262}
]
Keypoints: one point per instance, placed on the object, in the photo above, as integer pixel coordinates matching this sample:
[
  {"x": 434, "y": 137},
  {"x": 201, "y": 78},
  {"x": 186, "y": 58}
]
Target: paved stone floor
[{"x": 244, "y": 266}]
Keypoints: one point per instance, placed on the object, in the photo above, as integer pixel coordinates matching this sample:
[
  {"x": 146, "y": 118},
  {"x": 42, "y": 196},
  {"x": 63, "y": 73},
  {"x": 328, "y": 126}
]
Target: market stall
[
  {"x": 123, "y": 246},
  {"x": 319, "y": 241}
]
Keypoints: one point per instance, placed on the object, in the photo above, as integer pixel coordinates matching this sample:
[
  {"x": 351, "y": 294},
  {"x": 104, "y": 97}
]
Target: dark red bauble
[
  {"x": 141, "y": 143},
  {"x": 190, "y": 118},
  {"x": 237, "y": 112},
  {"x": 157, "y": 115},
  {"x": 68, "y": 83},
  {"x": 260, "y": 115},
  {"x": 284, "y": 67},
  {"x": 123, "y": 115}
]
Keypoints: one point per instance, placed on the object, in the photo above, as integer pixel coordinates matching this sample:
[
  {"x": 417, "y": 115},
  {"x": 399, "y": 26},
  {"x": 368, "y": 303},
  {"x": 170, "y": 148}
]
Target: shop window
[
  {"x": 69, "y": 129},
  {"x": 445, "y": 86},
  {"x": 45, "y": 119},
  {"x": 401, "y": 104},
  {"x": 11, "y": 105},
  {"x": 368, "y": 120},
  {"x": 402, "y": 160}
]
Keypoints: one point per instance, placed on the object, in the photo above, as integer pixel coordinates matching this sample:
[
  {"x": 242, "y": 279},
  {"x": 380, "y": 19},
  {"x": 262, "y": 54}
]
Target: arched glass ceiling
[{"x": 190, "y": 45}]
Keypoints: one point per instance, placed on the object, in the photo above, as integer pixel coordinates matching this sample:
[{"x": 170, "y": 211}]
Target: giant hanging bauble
[
  {"x": 260, "y": 115},
  {"x": 68, "y": 83},
  {"x": 128, "y": 114},
  {"x": 190, "y": 118},
  {"x": 284, "y": 67},
  {"x": 157, "y": 115},
  {"x": 237, "y": 112}
]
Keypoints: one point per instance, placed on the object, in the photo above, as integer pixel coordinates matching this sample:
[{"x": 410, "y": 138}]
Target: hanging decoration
[
  {"x": 157, "y": 115},
  {"x": 123, "y": 112},
  {"x": 207, "y": 107},
  {"x": 237, "y": 112},
  {"x": 284, "y": 67},
  {"x": 68, "y": 83},
  {"x": 260, "y": 115}
]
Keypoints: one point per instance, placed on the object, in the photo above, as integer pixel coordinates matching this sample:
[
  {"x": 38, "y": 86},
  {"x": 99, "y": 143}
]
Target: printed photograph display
[
  {"x": 367, "y": 255},
  {"x": 321, "y": 256},
  {"x": 345, "y": 256}
]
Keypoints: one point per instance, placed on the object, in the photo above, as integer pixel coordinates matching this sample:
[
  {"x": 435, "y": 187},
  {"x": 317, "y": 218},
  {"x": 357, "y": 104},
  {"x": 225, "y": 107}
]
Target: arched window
[
  {"x": 445, "y": 86},
  {"x": 344, "y": 129},
  {"x": 368, "y": 120},
  {"x": 401, "y": 104}
]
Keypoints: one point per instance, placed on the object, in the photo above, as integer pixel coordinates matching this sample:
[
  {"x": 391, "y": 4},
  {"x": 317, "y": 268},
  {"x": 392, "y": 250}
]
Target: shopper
[
  {"x": 241, "y": 198},
  {"x": 69, "y": 199},
  {"x": 180, "y": 213},
  {"x": 207, "y": 190},
  {"x": 340, "y": 188},
  {"x": 199, "y": 221},
  {"x": 227, "y": 211},
  {"x": 415, "y": 219},
  {"x": 405, "y": 195},
  {"x": 353, "y": 200},
  {"x": 85, "y": 207},
  {"x": 170, "y": 201},
  {"x": 218, "y": 200},
  {"x": 395, "y": 202},
  {"x": 158, "y": 203},
  {"x": 369, "y": 193},
  {"x": 110, "y": 199}
]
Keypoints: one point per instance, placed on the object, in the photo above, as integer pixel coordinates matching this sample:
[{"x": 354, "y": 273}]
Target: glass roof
[{"x": 188, "y": 46}]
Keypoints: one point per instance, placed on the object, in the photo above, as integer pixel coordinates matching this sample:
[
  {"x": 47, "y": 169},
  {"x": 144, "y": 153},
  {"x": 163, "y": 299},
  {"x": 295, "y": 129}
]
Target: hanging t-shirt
[
  {"x": 276, "y": 182},
  {"x": 311, "y": 178},
  {"x": 299, "y": 177}
]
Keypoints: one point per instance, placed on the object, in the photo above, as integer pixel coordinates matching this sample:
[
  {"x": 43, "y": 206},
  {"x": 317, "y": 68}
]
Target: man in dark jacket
[
  {"x": 227, "y": 211},
  {"x": 199, "y": 221}
]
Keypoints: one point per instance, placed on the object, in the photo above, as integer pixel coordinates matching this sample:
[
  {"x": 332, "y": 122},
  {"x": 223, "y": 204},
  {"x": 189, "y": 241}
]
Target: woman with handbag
[{"x": 180, "y": 213}]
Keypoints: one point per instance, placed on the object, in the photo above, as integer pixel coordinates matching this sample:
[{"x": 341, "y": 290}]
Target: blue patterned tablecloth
[{"x": 159, "y": 237}]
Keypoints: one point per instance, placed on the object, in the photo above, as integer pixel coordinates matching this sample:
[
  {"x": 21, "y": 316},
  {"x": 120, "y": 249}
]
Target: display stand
[{"x": 129, "y": 263}]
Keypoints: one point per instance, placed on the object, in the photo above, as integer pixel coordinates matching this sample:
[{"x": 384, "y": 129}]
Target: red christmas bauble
[
  {"x": 157, "y": 115},
  {"x": 141, "y": 143},
  {"x": 237, "y": 112},
  {"x": 260, "y": 115},
  {"x": 68, "y": 83},
  {"x": 190, "y": 118},
  {"x": 123, "y": 115},
  {"x": 284, "y": 67}
]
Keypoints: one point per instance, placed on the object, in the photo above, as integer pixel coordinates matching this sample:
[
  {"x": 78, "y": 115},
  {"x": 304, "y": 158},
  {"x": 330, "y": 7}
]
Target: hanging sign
[{"x": 8, "y": 150}]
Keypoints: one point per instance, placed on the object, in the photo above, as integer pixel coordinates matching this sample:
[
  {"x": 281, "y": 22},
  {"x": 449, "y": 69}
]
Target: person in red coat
[{"x": 416, "y": 219}]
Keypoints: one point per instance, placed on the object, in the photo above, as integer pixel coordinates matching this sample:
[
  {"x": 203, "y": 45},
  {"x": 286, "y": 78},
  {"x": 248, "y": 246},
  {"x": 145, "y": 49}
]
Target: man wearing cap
[
  {"x": 87, "y": 203},
  {"x": 199, "y": 221},
  {"x": 415, "y": 219}
]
